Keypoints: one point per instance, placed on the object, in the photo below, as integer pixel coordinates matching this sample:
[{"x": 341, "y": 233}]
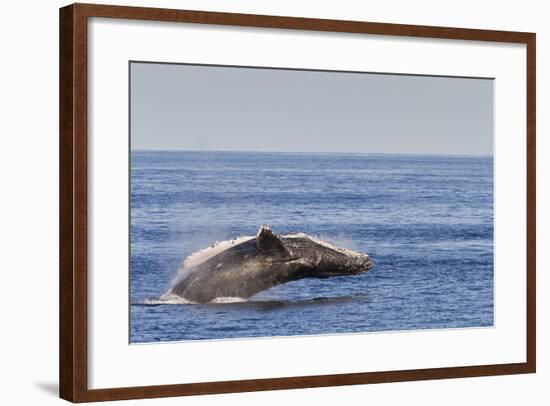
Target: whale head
[{"x": 319, "y": 259}]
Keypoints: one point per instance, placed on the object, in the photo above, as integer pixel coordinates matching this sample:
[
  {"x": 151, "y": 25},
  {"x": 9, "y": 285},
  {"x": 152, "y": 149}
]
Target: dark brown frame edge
[{"x": 73, "y": 201}]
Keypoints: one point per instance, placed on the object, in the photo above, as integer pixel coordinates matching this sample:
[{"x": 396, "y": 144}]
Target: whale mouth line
[{"x": 260, "y": 303}]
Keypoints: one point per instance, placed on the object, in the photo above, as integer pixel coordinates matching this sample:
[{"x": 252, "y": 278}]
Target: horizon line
[{"x": 314, "y": 152}]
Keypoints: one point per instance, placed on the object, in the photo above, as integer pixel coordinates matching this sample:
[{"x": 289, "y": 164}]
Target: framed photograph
[{"x": 255, "y": 202}]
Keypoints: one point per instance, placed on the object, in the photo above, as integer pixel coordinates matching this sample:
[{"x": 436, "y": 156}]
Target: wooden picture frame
[{"x": 73, "y": 197}]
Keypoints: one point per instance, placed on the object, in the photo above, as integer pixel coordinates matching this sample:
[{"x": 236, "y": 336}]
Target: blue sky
[{"x": 197, "y": 107}]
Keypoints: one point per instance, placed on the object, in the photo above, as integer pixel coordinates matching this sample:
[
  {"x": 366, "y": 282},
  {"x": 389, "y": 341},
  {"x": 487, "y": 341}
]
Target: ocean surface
[{"x": 426, "y": 222}]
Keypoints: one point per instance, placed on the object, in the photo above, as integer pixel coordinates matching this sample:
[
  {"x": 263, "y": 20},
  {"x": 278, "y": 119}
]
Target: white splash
[
  {"x": 168, "y": 298},
  {"x": 228, "y": 299},
  {"x": 172, "y": 299}
]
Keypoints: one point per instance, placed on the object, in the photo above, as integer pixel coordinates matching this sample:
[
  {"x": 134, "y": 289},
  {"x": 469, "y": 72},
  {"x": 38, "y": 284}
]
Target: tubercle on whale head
[
  {"x": 358, "y": 264},
  {"x": 366, "y": 263}
]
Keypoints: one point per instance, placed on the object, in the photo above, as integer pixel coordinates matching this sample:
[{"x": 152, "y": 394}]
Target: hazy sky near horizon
[{"x": 193, "y": 107}]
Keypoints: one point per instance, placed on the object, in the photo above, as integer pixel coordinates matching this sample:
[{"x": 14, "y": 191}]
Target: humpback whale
[{"x": 242, "y": 267}]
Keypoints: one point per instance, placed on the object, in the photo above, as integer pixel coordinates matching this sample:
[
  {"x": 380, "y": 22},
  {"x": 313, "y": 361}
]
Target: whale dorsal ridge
[{"x": 267, "y": 241}]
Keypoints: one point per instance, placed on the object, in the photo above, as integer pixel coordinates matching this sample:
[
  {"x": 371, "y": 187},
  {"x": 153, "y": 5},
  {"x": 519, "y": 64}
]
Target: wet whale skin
[{"x": 264, "y": 261}]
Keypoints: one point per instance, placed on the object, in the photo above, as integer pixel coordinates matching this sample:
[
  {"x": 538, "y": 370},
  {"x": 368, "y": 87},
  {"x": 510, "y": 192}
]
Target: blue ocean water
[{"x": 426, "y": 221}]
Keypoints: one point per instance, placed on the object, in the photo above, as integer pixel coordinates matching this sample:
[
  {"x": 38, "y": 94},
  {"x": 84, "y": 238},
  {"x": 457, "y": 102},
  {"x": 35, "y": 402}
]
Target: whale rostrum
[{"x": 242, "y": 267}]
